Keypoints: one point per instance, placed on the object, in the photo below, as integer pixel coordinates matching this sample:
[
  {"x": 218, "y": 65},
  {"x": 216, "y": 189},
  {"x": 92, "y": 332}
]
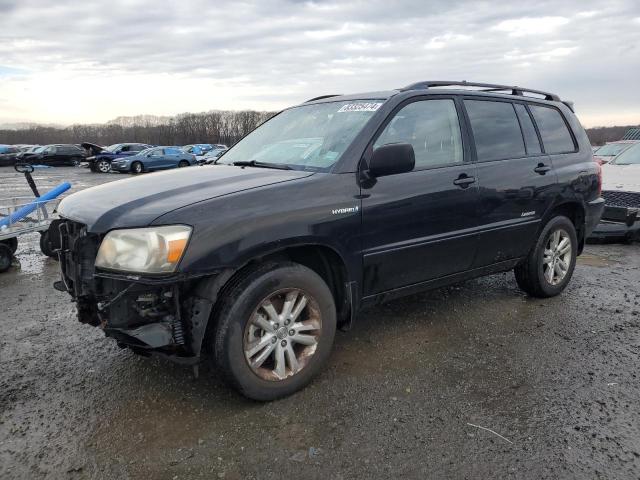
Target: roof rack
[
  {"x": 486, "y": 87},
  {"x": 322, "y": 97}
]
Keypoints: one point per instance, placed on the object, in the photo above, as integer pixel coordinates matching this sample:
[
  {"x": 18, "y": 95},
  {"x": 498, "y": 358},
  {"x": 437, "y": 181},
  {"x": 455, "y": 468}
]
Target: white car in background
[{"x": 621, "y": 192}]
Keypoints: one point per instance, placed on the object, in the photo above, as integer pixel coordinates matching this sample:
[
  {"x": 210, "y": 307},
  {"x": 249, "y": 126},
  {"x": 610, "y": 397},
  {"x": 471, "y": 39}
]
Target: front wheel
[
  {"x": 136, "y": 167},
  {"x": 549, "y": 266},
  {"x": 45, "y": 245},
  {"x": 103, "y": 166},
  {"x": 274, "y": 331}
]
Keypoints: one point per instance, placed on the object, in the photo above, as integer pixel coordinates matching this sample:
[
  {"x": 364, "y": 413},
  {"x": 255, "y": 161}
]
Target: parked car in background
[
  {"x": 101, "y": 158},
  {"x": 212, "y": 156},
  {"x": 8, "y": 155},
  {"x": 198, "y": 149},
  {"x": 155, "y": 158},
  {"x": 608, "y": 151},
  {"x": 54, "y": 155},
  {"x": 621, "y": 192},
  {"x": 355, "y": 200}
]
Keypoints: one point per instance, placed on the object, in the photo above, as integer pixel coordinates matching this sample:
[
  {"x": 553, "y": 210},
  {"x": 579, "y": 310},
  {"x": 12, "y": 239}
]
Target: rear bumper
[
  {"x": 593, "y": 213},
  {"x": 618, "y": 224}
]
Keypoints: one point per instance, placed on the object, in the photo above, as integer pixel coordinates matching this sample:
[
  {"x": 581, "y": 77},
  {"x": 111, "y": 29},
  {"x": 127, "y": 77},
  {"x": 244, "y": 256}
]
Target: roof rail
[
  {"x": 486, "y": 87},
  {"x": 322, "y": 97}
]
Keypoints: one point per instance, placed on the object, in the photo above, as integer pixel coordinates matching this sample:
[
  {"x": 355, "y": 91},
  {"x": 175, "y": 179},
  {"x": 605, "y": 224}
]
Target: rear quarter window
[
  {"x": 555, "y": 134},
  {"x": 496, "y": 130}
]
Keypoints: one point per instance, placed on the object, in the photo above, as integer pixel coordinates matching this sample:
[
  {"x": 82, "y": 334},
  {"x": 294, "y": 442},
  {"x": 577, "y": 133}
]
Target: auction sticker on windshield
[{"x": 359, "y": 107}]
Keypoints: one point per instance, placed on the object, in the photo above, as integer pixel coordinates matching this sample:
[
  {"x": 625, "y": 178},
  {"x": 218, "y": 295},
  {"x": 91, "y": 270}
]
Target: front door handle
[
  {"x": 542, "y": 168},
  {"x": 463, "y": 181}
]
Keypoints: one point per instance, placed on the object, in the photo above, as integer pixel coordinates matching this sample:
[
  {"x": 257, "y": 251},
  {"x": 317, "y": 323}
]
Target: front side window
[
  {"x": 431, "y": 127},
  {"x": 496, "y": 130},
  {"x": 156, "y": 153},
  {"x": 553, "y": 130},
  {"x": 309, "y": 137}
]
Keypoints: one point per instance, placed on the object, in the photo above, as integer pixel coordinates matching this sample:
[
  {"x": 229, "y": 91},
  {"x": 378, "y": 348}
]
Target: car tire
[
  {"x": 136, "y": 168},
  {"x": 548, "y": 268},
  {"x": 6, "y": 257},
  {"x": 45, "y": 245},
  {"x": 183, "y": 163},
  {"x": 103, "y": 166},
  {"x": 12, "y": 243},
  {"x": 237, "y": 334}
]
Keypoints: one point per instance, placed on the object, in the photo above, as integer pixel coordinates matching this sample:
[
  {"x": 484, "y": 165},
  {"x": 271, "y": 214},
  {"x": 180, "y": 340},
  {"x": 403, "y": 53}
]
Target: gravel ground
[{"x": 471, "y": 381}]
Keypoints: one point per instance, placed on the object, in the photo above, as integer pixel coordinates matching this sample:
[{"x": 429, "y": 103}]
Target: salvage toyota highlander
[{"x": 329, "y": 206}]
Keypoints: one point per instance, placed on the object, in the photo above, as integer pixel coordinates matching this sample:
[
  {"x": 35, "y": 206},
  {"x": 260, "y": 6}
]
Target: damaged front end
[{"x": 165, "y": 315}]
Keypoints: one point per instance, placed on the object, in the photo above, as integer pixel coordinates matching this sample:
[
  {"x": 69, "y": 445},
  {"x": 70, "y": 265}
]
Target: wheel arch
[
  {"x": 573, "y": 210},
  {"x": 325, "y": 260}
]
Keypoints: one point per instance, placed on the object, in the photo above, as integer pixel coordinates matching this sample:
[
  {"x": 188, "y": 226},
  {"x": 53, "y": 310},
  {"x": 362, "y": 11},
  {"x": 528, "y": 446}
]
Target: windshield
[
  {"x": 310, "y": 137},
  {"x": 37, "y": 149},
  {"x": 629, "y": 157},
  {"x": 611, "y": 149},
  {"x": 112, "y": 148}
]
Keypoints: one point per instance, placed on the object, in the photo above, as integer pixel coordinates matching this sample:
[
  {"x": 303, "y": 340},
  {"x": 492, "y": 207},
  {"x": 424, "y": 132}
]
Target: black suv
[
  {"x": 340, "y": 202},
  {"x": 54, "y": 155}
]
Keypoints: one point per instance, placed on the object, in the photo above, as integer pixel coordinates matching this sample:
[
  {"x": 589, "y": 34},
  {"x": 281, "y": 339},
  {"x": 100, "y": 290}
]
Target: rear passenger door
[
  {"x": 420, "y": 225},
  {"x": 516, "y": 178}
]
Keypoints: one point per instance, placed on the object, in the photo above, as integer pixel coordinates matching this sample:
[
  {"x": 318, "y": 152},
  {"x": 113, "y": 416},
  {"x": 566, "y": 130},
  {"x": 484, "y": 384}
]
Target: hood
[
  {"x": 625, "y": 178},
  {"x": 92, "y": 147},
  {"x": 136, "y": 202}
]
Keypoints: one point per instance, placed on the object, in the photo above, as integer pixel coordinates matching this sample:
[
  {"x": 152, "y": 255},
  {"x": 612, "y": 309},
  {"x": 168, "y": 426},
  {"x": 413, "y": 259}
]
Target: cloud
[
  {"x": 72, "y": 61},
  {"x": 518, "y": 27}
]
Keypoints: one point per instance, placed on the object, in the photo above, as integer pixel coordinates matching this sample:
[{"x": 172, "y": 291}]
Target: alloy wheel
[
  {"x": 104, "y": 166},
  {"x": 282, "y": 334},
  {"x": 556, "y": 258}
]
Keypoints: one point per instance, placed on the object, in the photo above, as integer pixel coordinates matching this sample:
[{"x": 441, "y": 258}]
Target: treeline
[
  {"x": 211, "y": 127},
  {"x": 602, "y": 135}
]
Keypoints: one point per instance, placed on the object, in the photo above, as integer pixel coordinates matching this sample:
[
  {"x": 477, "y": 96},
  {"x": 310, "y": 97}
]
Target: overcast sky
[{"x": 90, "y": 61}]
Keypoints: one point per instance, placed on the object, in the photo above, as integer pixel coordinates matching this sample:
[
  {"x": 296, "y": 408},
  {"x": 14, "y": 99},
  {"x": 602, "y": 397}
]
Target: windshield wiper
[{"x": 256, "y": 163}]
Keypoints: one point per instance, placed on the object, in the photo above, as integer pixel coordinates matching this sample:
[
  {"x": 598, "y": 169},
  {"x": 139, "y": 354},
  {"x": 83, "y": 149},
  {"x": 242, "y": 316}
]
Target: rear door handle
[
  {"x": 464, "y": 181},
  {"x": 542, "y": 168}
]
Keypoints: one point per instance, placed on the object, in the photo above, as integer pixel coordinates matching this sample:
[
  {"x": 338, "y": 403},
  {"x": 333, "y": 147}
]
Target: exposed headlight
[{"x": 144, "y": 250}]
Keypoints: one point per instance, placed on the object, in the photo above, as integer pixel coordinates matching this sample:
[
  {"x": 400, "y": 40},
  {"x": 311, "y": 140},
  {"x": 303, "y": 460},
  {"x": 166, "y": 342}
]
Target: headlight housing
[{"x": 144, "y": 250}]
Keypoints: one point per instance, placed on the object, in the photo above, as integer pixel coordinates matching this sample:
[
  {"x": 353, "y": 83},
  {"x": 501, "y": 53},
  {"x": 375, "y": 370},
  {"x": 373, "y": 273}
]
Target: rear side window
[
  {"x": 496, "y": 130},
  {"x": 553, "y": 130},
  {"x": 432, "y": 128},
  {"x": 531, "y": 141}
]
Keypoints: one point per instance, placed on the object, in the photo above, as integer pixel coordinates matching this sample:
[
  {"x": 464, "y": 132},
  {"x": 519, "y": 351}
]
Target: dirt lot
[{"x": 406, "y": 392}]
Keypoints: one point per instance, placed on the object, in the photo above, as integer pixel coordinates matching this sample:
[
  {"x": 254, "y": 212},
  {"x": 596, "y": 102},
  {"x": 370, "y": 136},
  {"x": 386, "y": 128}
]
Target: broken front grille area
[{"x": 616, "y": 198}]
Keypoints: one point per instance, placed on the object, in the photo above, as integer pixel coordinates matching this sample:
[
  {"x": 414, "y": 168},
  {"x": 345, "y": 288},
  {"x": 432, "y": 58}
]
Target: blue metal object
[{"x": 30, "y": 207}]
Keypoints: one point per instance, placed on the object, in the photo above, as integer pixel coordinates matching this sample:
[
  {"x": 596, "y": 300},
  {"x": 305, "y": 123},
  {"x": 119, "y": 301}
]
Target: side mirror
[{"x": 392, "y": 159}]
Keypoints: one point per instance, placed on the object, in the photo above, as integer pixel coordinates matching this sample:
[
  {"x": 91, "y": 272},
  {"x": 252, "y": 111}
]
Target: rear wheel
[
  {"x": 103, "y": 166},
  {"x": 183, "y": 163},
  {"x": 5, "y": 257},
  {"x": 136, "y": 167},
  {"x": 275, "y": 329},
  {"x": 12, "y": 243},
  {"x": 549, "y": 266}
]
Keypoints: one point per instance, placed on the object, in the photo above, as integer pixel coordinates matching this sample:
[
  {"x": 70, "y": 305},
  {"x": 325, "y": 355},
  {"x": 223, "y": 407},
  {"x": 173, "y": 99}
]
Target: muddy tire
[
  {"x": 45, "y": 245},
  {"x": 12, "y": 243},
  {"x": 6, "y": 258},
  {"x": 274, "y": 330},
  {"x": 136, "y": 168},
  {"x": 549, "y": 266}
]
